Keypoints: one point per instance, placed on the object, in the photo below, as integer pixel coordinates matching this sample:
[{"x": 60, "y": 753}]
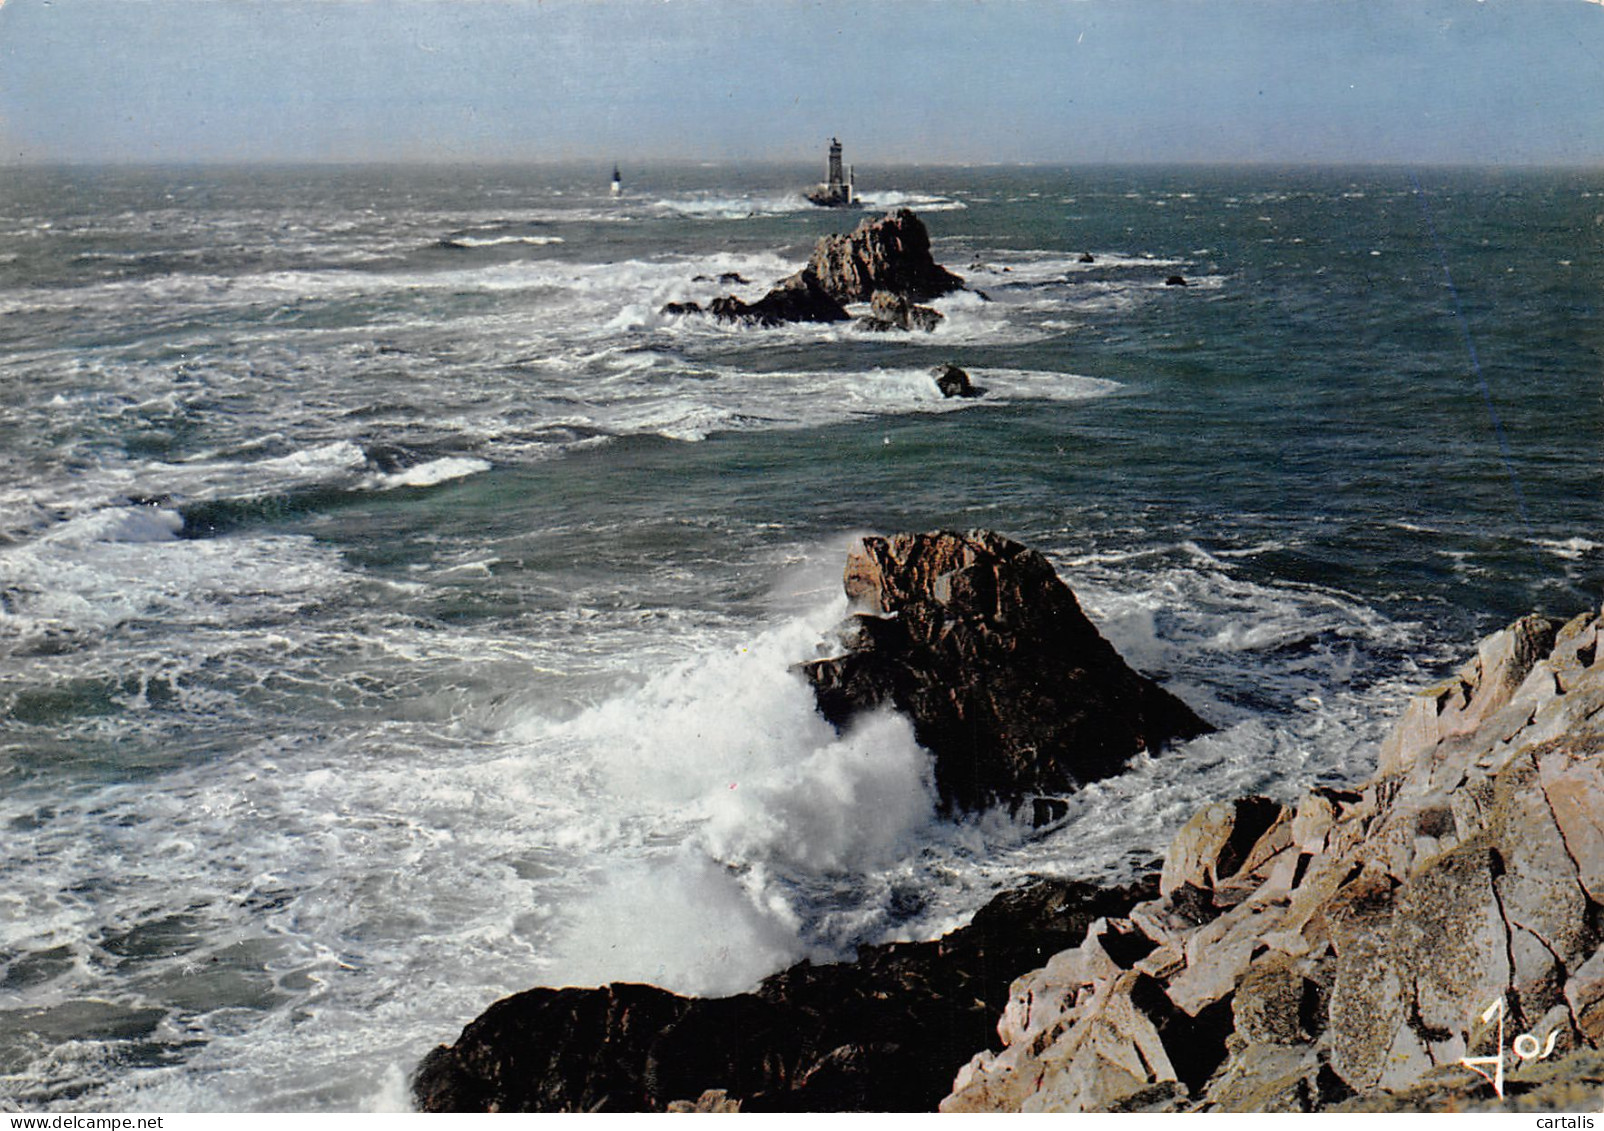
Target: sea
[{"x": 398, "y": 610}]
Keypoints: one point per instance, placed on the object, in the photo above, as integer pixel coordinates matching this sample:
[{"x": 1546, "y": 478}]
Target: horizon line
[{"x": 777, "y": 163}]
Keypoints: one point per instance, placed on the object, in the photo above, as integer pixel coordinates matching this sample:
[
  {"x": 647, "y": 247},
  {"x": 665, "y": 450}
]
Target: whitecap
[
  {"x": 497, "y": 241},
  {"x": 1570, "y": 549},
  {"x": 429, "y": 474}
]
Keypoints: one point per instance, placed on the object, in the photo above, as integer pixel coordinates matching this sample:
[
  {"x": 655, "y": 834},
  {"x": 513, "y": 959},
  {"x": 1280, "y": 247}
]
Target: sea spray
[{"x": 776, "y": 811}]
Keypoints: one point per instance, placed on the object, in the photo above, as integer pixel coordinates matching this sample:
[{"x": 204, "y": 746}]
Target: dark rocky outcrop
[
  {"x": 954, "y": 382},
  {"x": 884, "y": 1033},
  {"x": 1342, "y": 952},
  {"x": 889, "y": 311},
  {"x": 1175, "y": 281},
  {"x": 891, "y": 254},
  {"x": 796, "y": 298},
  {"x": 1014, "y": 691}
]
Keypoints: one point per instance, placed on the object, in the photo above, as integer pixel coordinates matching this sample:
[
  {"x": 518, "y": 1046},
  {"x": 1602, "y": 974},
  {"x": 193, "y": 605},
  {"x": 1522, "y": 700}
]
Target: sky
[{"x": 1485, "y": 82}]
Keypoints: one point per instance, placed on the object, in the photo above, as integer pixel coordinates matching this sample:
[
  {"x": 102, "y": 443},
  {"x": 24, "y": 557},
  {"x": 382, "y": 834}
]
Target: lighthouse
[{"x": 837, "y": 190}]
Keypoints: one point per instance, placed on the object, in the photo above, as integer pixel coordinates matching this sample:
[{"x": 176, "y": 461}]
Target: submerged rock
[
  {"x": 979, "y": 643},
  {"x": 883, "y": 1033},
  {"x": 1344, "y": 950}
]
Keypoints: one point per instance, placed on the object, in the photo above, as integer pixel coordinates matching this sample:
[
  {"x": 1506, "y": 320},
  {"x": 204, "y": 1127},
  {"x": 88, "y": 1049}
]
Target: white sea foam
[
  {"x": 498, "y": 241},
  {"x": 851, "y": 804},
  {"x": 119, "y": 524},
  {"x": 101, "y": 569},
  {"x": 705, "y": 935},
  {"x": 1570, "y": 549},
  {"x": 213, "y": 475},
  {"x": 923, "y": 202},
  {"x": 589, "y": 315},
  {"x": 312, "y": 464},
  {"x": 714, "y": 206},
  {"x": 429, "y": 474},
  {"x": 725, "y": 400}
]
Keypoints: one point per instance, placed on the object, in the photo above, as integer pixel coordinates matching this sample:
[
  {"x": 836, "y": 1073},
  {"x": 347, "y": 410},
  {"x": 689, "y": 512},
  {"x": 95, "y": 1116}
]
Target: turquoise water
[{"x": 397, "y": 610}]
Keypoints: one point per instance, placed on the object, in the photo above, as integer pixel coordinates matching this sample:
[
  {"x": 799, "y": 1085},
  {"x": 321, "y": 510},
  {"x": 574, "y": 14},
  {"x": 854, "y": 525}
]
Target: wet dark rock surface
[
  {"x": 884, "y": 1033},
  {"x": 977, "y": 640}
]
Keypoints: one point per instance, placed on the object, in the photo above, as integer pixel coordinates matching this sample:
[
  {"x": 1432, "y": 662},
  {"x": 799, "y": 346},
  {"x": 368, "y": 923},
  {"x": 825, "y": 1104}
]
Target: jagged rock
[
  {"x": 1358, "y": 940},
  {"x": 884, "y": 1033},
  {"x": 888, "y": 311},
  {"x": 682, "y": 308},
  {"x": 1459, "y": 706},
  {"x": 891, "y": 254},
  {"x": 796, "y": 298},
  {"x": 714, "y": 1100},
  {"x": 1213, "y": 846},
  {"x": 954, "y": 382},
  {"x": 1014, "y": 691}
]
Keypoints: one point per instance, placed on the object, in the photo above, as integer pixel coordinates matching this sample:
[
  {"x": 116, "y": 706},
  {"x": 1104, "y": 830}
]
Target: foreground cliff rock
[
  {"x": 890, "y": 255},
  {"x": 1345, "y": 951},
  {"x": 884, "y": 1033},
  {"x": 1014, "y": 691}
]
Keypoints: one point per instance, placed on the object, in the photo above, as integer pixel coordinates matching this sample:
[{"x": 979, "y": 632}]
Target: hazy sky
[{"x": 1416, "y": 81}]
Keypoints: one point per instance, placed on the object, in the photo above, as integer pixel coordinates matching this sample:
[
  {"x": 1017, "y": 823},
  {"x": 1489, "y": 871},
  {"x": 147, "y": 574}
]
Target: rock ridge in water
[
  {"x": 883, "y": 1033},
  {"x": 1008, "y": 684},
  {"x": 890, "y": 255},
  {"x": 796, "y": 298},
  {"x": 1342, "y": 952}
]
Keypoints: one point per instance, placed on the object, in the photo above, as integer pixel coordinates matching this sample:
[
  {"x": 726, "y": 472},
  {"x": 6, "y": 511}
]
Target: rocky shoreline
[
  {"x": 1363, "y": 943},
  {"x": 1347, "y": 951}
]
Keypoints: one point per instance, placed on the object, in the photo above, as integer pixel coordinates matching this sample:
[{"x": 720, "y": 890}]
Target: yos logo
[{"x": 1526, "y": 1047}]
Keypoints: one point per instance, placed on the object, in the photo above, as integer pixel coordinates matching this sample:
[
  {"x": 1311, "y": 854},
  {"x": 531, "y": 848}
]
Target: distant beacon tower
[{"x": 837, "y": 191}]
